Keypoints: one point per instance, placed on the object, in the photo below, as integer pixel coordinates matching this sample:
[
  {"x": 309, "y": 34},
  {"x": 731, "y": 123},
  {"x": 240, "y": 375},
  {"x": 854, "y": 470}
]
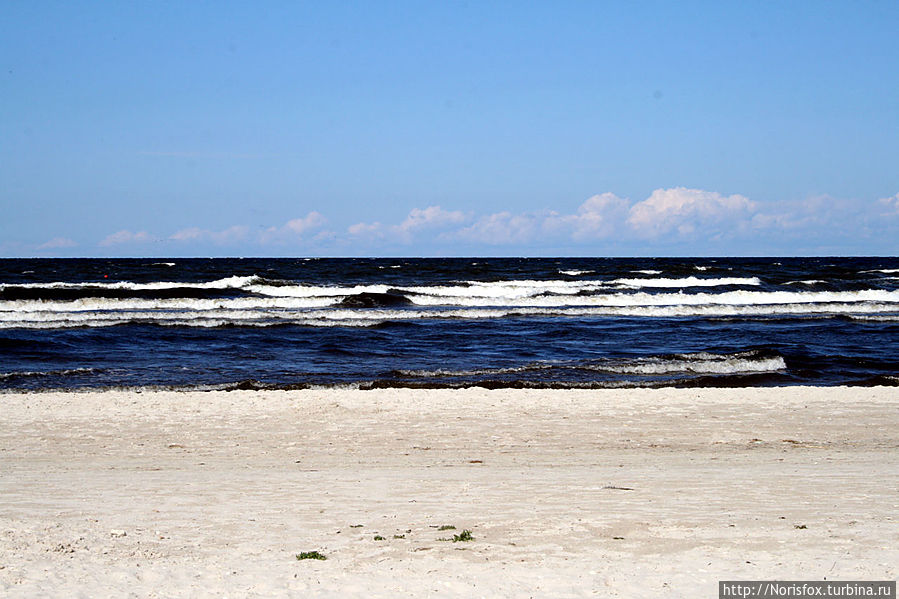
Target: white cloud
[
  {"x": 686, "y": 210},
  {"x": 599, "y": 216},
  {"x": 366, "y": 229},
  {"x": 418, "y": 219},
  {"x": 313, "y": 220},
  {"x": 126, "y": 236},
  {"x": 811, "y": 213},
  {"x": 825, "y": 215},
  {"x": 294, "y": 229},
  {"x": 191, "y": 234},
  {"x": 892, "y": 204},
  {"x": 229, "y": 235},
  {"x": 505, "y": 228},
  {"x": 826, "y": 224},
  {"x": 57, "y": 243},
  {"x": 430, "y": 218}
]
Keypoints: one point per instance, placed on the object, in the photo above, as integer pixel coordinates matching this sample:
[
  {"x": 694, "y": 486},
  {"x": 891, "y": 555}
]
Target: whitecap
[{"x": 687, "y": 282}]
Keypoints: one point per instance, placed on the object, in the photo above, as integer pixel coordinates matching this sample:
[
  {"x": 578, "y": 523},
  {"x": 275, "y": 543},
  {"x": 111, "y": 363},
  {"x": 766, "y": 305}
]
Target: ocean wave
[
  {"x": 48, "y": 373},
  {"x": 223, "y": 283},
  {"x": 679, "y": 364},
  {"x": 875, "y": 317},
  {"x": 687, "y": 282},
  {"x": 745, "y": 298},
  {"x": 8, "y": 309},
  {"x": 366, "y": 317},
  {"x": 471, "y": 300},
  {"x": 503, "y": 290},
  {"x": 741, "y": 297},
  {"x": 442, "y": 372},
  {"x": 314, "y": 291},
  {"x": 60, "y": 291},
  {"x": 254, "y": 285},
  {"x": 702, "y": 364}
]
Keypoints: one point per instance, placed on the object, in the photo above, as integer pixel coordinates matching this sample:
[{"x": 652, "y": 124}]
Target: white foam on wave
[
  {"x": 225, "y": 283},
  {"x": 701, "y": 365},
  {"x": 442, "y": 372},
  {"x": 508, "y": 289},
  {"x": 498, "y": 290},
  {"x": 687, "y": 282},
  {"x": 8, "y": 309},
  {"x": 96, "y": 311},
  {"x": 366, "y": 317},
  {"x": 575, "y": 273},
  {"x": 808, "y": 282},
  {"x": 875, "y": 317},
  {"x": 640, "y": 299},
  {"x": 315, "y": 291},
  {"x": 30, "y": 373},
  {"x": 267, "y": 303},
  {"x": 480, "y": 297},
  {"x": 462, "y": 293}
]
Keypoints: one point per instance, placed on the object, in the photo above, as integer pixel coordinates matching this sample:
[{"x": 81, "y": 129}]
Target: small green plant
[
  {"x": 311, "y": 555},
  {"x": 399, "y": 536},
  {"x": 355, "y": 526},
  {"x": 465, "y": 535},
  {"x": 447, "y": 527},
  {"x": 379, "y": 538}
]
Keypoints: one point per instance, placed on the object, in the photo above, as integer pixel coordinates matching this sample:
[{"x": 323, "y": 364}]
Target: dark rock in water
[{"x": 375, "y": 300}]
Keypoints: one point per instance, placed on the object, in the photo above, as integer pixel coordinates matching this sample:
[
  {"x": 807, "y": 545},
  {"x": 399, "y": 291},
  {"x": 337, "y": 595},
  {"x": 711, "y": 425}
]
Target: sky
[{"x": 449, "y": 128}]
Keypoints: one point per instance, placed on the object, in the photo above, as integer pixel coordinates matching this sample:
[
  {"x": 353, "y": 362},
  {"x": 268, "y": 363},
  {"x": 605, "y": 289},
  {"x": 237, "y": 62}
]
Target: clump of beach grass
[
  {"x": 465, "y": 535},
  {"x": 311, "y": 555},
  {"x": 462, "y": 537}
]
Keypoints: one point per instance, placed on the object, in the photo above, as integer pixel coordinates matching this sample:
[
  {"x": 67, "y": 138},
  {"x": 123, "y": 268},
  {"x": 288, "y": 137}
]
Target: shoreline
[
  {"x": 376, "y": 385},
  {"x": 626, "y": 492}
]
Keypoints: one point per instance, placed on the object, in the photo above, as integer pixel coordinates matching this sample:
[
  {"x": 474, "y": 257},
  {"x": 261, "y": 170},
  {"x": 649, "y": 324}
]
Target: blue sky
[{"x": 451, "y": 128}]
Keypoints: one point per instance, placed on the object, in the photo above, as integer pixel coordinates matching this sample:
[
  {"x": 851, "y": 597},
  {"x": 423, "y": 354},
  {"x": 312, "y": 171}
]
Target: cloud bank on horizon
[{"x": 665, "y": 223}]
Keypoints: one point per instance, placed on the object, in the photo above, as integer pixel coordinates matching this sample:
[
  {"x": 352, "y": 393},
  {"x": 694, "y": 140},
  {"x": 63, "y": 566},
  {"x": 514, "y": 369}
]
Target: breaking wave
[
  {"x": 697, "y": 363},
  {"x": 29, "y": 374},
  {"x": 267, "y": 305}
]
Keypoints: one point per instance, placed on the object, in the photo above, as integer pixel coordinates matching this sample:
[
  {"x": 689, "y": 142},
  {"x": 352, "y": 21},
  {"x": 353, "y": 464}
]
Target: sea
[{"x": 264, "y": 323}]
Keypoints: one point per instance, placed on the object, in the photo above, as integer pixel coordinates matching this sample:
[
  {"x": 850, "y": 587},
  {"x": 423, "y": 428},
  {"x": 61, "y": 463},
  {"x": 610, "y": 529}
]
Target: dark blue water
[{"x": 493, "y": 322}]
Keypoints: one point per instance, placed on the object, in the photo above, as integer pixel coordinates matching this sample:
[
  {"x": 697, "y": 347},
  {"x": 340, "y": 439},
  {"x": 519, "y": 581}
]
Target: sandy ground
[{"x": 631, "y": 493}]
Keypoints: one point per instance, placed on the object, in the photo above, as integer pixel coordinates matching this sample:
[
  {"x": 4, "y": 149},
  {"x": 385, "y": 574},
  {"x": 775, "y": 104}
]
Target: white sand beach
[{"x": 619, "y": 493}]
